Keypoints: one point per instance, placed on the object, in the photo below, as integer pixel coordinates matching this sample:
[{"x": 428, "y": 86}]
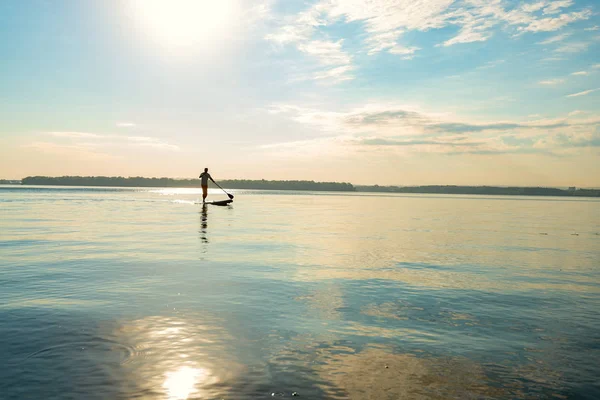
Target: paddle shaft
[{"x": 228, "y": 194}]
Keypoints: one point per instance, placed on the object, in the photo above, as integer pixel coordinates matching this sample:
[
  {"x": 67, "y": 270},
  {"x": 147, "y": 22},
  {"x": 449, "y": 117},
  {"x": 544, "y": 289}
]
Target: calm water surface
[{"x": 142, "y": 293}]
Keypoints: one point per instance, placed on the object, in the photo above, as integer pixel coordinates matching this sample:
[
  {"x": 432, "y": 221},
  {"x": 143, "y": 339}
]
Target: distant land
[{"x": 120, "y": 181}]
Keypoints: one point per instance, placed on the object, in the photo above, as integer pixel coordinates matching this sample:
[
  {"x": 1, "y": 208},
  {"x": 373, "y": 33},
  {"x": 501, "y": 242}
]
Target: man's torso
[{"x": 204, "y": 176}]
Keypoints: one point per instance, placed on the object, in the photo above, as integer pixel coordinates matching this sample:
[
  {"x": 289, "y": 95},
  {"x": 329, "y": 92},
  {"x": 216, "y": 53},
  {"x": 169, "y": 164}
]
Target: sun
[{"x": 185, "y": 23}]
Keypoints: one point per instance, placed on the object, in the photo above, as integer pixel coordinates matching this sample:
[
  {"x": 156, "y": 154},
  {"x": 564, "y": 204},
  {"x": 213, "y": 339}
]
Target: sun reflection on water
[
  {"x": 181, "y": 383},
  {"x": 182, "y": 357}
]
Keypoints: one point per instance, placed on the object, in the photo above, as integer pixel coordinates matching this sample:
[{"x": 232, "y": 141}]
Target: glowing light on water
[{"x": 181, "y": 383}]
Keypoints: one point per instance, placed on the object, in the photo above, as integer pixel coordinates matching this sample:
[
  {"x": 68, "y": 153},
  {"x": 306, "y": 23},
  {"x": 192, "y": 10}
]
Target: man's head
[{"x": 205, "y": 169}]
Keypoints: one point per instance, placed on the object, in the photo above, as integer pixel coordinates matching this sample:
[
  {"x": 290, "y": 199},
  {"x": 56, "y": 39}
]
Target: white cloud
[
  {"x": 550, "y": 24},
  {"x": 328, "y": 53},
  {"x": 96, "y": 140},
  {"x": 577, "y": 47},
  {"x": 576, "y": 112},
  {"x": 553, "y": 59},
  {"x": 468, "y": 35},
  {"x": 125, "y": 124},
  {"x": 596, "y": 66},
  {"x": 555, "y": 6},
  {"x": 580, "y": 73},
  {"x": 75, "y": 135},
  {"x": 385, "y": 22},
  {"x": 533, "y": 7},
  {"x": 593, "y": 28},
  {"x": 150, "y": 142},
  {"x": 584, "y": 93},
  {"x": 70, "y": 151},
  {"x": 556, "y": 38},
  {"x": 551, "y": 82},
  {"x": 335, "y": 75},
  {"x": 381, "y": 126},
  {"x": 491, "y": 64}
]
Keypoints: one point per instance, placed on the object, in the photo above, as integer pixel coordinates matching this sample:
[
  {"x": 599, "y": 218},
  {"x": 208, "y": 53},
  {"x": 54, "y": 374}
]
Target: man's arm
[{"x": 210, "y": 177}]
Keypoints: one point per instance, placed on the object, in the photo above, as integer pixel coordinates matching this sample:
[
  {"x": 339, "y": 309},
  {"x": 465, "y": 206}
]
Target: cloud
[
  {"x": 96, "y": 140},
  {"x": 552, "y": 82},
  {"x": 389, "y": 126},
  {"x": 580, "y": 73},
  {"x": 125, "y": 124},
  {"x": 150, "y": 142},
  {"x": 375, "y": 141},
  {"x": 555, "y": 6},
  {"x": 385, "y": 23},
  {"x": 70, "y": 151},
  {"x": 593, "y": 28},
  {"x": 584, "y": 93},
  {"x": 572, "y": 48},
  {"x": 596, "y": 66},
  {"x": 556, "y": 38},
  {"x": 75, "y": 135},
  {"x": 576, "y": 112},
  {"x": 335, "y": 75},
  {"x": 555, "y": 23},
  {"x": 327, "y": 52}
]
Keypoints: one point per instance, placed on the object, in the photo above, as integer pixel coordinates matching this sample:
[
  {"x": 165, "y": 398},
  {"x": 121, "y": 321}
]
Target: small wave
[{"x": 97, "y": 346}]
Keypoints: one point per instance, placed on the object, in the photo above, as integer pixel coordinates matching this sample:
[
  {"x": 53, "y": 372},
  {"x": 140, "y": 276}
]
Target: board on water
[{"x": 219, "y": 203}]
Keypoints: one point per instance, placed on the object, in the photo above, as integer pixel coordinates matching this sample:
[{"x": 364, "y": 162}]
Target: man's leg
[{"x": 204, "y": 193}]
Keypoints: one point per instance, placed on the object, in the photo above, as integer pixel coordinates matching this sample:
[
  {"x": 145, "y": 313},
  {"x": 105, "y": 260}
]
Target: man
[{"x": 205, "y": 176}]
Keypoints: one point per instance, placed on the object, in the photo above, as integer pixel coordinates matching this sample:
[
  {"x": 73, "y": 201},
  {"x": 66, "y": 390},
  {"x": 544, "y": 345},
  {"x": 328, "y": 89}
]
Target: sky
[{"x": 388, "y": 92}]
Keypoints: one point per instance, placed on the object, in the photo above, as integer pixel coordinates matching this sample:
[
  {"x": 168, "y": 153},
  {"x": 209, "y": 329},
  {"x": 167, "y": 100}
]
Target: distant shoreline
[{"x": 100, "y": 181}]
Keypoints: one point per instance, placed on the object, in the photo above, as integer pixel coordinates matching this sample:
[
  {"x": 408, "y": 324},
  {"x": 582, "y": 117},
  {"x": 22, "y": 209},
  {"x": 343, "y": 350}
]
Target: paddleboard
[{"x": 219, "y": 203}]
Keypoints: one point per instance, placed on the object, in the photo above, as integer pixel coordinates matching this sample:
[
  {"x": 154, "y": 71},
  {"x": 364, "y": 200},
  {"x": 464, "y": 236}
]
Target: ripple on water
[{"x": 99, "y": 348}]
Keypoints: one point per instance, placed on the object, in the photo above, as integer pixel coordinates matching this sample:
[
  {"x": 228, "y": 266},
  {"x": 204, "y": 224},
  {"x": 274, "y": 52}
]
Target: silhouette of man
[{"x": 205, "y": 176}]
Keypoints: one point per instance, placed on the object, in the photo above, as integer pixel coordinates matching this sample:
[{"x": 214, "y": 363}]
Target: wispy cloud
[
  {"x": 552, "y": 82},
  {"x": 593, "y": 28},
  {"x": 555, "y": 39},
  {"x": 150, "y": 142},
  {"x": 554, "y": 59},
  {"x": 402, "y": 127},
  {"x": 553, "y": 7},
  {"x": 93, "y": 139},
  {"x": 386, "y": 21},
  {"x": 125, "y": 124},
  {"x": 75, "y": 135},
  {"x": 580, "y": 73},
  {"x": 72, "y": 151},
  {"x": 584, "y": 93},
  {"x": 327, "y": 52},
  {"x": 577, "y": 47},
  {"x": 335, "y": 75}
]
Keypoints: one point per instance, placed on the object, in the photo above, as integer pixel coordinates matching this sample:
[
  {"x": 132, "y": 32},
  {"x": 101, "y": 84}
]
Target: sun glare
[
  {"x": 185, "y": 23},
  {"x": 181, "y": 383}
]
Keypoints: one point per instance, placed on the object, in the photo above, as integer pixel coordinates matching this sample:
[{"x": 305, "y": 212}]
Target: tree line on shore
[
  {"x": 119, "y": 181},
  {"x": 482, "y": 190},
  {"x": 138, "y": 181}
]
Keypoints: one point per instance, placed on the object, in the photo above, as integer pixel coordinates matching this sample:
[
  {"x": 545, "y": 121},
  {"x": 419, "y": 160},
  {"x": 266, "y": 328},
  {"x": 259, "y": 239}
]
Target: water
[{"x": 142, "y": 293}]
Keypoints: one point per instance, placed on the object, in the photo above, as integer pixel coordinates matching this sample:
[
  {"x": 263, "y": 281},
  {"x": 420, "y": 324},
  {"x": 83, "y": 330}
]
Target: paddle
[{"x": 228, "y": 194}]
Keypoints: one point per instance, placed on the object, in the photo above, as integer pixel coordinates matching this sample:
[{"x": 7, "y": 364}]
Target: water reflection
[
  {"x": 176, "y": 358},
  {"x": 181, "y": 383},
  {"x": 204, "y": 223}
]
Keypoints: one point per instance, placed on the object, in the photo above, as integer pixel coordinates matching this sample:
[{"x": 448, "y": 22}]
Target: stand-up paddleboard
[{"x": 219, "y": 203}]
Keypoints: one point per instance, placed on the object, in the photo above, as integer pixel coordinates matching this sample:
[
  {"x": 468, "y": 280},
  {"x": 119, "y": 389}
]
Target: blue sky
[{"x": 386, "y": 91}]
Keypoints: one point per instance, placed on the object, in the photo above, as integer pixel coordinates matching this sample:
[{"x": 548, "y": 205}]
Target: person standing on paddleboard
[{"x": 205, "y": 176}]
